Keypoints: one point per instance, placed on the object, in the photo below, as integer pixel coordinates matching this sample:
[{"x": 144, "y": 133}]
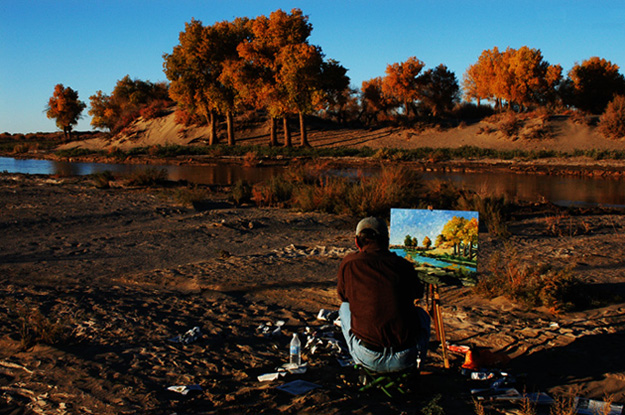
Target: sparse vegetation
[
  {"x": 530, "y": 284},
  {"x": 307, "y": 189},
  {"x": 612, "y": 122},
  {"x": 103, "y": 179},
  {"x": 191, "y": 196},
  {"x": 36, "y": 328},
  {"x": 241, "y": 192},
  {"x": 150, "y": 176}
]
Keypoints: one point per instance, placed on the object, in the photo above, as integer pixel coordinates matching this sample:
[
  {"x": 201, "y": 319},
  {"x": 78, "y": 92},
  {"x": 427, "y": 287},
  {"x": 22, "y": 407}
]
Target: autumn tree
[
  {"x": 427, "y": 242},
  {"x": 481, "y": 79},
  {"x": 284, "y": 74},
  {"x": 591, "y": 85},
  {"x": 453, "y": 232},
  {"x": 529, "y": 79},
  {"x": 521, "y": 78},
  {"x": 299, "y": 76},
  {"x": 439, "y": 90},
  {"x": 612, "y": 121},
  {"x": 114, "y": 112},
  {"x": 440, "y": 240},
  {"x": 403, "y": 82},
  {"x": 66, "y": 108},
  {"x": 469, "y": 235},
  {"x": 264, "y": 54},
  {"x": 376, "y": 106},
  {"x": 195, "y": 68}
]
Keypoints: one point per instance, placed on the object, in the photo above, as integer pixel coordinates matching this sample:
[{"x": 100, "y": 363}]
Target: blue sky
[
  {"x": 420, "y": 223},
  {"x": 90, "y": 44}
]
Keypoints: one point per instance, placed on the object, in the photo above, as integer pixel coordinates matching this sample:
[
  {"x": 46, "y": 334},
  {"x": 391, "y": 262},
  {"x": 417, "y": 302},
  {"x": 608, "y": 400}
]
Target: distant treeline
[{"x": 266, "y": 67}]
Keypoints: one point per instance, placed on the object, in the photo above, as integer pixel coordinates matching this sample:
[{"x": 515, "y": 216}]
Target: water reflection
[{"x": 560, "y": 190}]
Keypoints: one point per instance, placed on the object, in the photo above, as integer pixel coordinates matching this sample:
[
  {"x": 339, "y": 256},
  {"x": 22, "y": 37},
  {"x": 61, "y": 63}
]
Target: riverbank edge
[{"x": 554, "y": 166}]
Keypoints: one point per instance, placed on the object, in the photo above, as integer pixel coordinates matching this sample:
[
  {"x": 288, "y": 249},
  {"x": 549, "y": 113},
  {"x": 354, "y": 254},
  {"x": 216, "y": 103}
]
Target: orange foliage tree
[
  {"x": 591, "y": 85},
  {"x": 126, "y": 102},
  {"x": 283, "y": 74},
  {"x": 198, "y": 69},
  {"x": 403, "y": 83},
  {"x": 376, "y": 105},
  {"x": 66, "y": 108},
  {"x": 521, "y": 78}
]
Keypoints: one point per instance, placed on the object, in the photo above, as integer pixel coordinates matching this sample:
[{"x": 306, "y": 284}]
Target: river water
[
  {"x": 562, "y": 190},
  {"x": 431, "y": 261}
]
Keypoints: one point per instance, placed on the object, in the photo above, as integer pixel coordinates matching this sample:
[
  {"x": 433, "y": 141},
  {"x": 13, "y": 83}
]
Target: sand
[
  {"x": 113, "y": 275},
  {"x": 562, "y": 134},
  {"x": 123, "y": 271}
]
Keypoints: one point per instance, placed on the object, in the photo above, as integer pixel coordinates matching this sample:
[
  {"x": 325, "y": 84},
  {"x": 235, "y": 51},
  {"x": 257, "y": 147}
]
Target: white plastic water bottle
[{"x": 295, "y": 351}]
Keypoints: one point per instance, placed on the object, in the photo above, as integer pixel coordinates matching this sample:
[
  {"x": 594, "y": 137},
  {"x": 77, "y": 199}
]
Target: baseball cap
[{"x": 375, "y": 224}]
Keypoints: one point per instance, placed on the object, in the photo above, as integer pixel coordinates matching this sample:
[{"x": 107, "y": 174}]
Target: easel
[{"x": 437, "y": 315}]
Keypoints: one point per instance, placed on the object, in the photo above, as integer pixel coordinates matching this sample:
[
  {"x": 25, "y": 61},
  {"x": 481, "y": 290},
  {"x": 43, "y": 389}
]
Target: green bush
[{"x": 612, "y": 121}]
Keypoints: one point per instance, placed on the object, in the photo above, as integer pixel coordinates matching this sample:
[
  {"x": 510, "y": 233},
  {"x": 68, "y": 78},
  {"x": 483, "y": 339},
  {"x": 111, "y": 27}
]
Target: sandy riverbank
[{"x": 126, "y": 270}]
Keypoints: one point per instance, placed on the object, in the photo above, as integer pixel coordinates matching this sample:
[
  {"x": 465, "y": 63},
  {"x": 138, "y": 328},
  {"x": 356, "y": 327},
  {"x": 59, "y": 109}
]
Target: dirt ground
[{"x": 113, "y": 276}]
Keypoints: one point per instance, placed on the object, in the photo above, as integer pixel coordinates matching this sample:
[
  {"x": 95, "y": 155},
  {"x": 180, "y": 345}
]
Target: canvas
[{"x": 443, "y": 244}]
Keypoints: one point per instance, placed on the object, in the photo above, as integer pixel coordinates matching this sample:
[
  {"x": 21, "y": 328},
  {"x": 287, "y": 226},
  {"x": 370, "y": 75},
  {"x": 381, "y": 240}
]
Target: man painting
[{"x": 384, "y": 330}]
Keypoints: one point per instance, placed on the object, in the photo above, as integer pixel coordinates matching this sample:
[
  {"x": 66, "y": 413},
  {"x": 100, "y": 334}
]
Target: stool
[{"x": 391, "y": 384}]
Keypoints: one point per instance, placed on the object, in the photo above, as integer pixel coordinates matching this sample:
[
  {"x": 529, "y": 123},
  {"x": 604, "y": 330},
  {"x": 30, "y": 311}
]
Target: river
[{"x": 561, "y": 190}]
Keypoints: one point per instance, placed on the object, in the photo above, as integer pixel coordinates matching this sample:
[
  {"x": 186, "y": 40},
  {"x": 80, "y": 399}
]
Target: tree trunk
[
  {"x": 302, "y": 131},
  {"x": 287, "y": 131},
  {"x": 230, "y": 124},
  {"x": 273, "y": 132},
  {"x": 67, "y": 133},
  {"x": 212, "y": 129}
]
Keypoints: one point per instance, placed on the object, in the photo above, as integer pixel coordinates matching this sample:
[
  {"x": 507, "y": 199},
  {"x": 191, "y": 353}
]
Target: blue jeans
[{"x": 388, "y": 360}]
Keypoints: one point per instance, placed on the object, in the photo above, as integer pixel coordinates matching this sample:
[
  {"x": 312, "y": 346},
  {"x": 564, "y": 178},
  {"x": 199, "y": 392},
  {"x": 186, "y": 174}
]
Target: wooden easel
[{"x": 437, "y": 316}]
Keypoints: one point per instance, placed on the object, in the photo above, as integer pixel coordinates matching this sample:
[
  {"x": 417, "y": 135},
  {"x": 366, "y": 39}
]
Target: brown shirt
[{"x": 381, "y": 288}]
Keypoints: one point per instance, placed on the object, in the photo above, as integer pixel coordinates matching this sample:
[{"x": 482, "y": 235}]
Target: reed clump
[{"x": 312, "y": 187}]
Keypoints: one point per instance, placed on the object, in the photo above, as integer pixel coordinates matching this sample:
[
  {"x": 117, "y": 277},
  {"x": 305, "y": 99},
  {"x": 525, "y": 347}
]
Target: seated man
[{"x": 384, "y": 330}]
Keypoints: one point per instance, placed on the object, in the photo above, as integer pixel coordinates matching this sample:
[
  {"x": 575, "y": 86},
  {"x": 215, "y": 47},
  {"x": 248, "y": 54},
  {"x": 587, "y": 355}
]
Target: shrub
[
  {"x": 530, "y": 284},
  {"x": 155, "y": 109},
  {"x": 250, "y": 159},
  {"x": 612, "y": 121},
  {"x": 326, "y": 196},
  {"x": 375, "y": 195},
  {"x": 277, "y": 191},
  {"x": 241, "y": 192},
  {"x": 509, "y": 125},
  {"x": 25, "y": 148},
  {"x": 494, "y": 211},
  {"x": 471, "y": 111},
  {"x": 186, "y": 118},
  {"x": 102, "y": 180},
  {"x": 150, "y": 176},
  {"x": 35, "y": 328},
  {"x": 191, "y": 196}
]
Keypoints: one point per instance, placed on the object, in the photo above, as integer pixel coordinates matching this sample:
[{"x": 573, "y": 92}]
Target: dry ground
[{"x": 125, "y": 270}]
